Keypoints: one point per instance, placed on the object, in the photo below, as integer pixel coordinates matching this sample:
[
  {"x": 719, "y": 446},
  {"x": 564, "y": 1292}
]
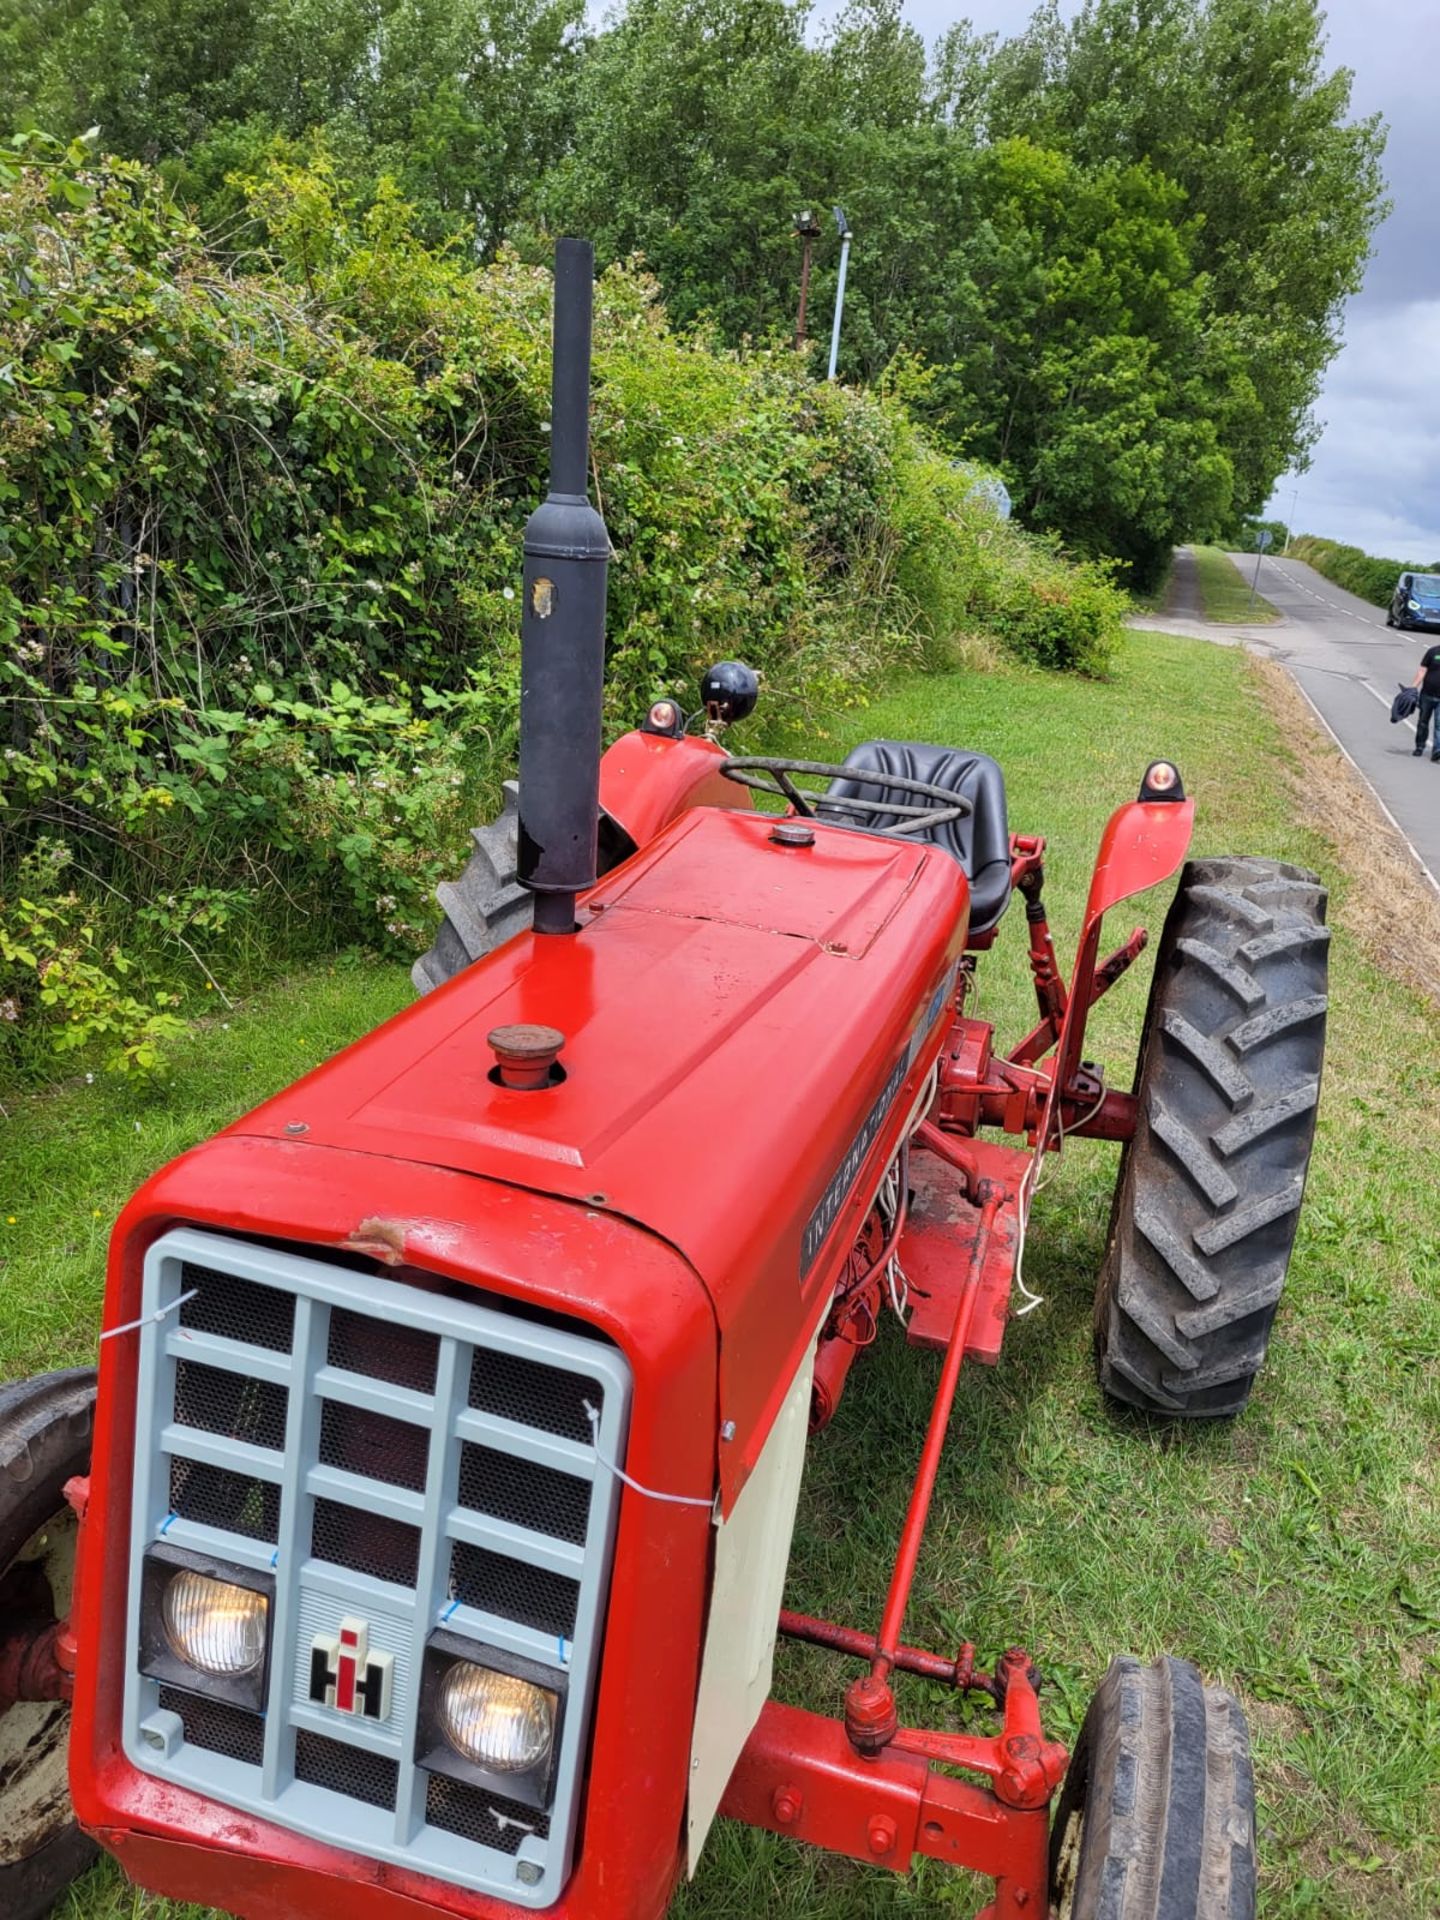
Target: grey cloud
[{"x": 1375, "y": 477}]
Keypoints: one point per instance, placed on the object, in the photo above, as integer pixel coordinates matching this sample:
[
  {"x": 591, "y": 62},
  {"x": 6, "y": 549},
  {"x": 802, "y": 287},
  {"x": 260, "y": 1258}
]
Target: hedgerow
[
  {"x": 260, "y": 532},
  {"x": 1361, "y": 573}
]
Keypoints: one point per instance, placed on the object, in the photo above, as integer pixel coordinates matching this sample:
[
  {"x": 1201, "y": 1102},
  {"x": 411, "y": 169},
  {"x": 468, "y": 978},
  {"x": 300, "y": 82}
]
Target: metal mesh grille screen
[
  {"x": 405, "y": 1356},
  {"x": 373, "y": 1445},
  {"x": 231, "y": 1404},
  {"x": 351, "y": 1771},
  {"x": 507, "y": 1548},
  {"x": 480, "y": 1816},
  {"x": 366, "y": 1542},
  {"x": 236, "y": 1309},
  {"x": 234, "y": 1502},
  {"x": 533, "y": 1394},
  {"x": 497, "y": 1584},
  {"x": 216, "y": 1727},
  {"x": 524, "y": 1492}
]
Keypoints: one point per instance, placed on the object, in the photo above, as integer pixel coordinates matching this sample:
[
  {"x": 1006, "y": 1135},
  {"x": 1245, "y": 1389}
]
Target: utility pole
[
  {"x": 844, "y": 226},
  {"x": 1290, "y": 521},
  {"x": 808, "y": 228},
  {"x": 1262, "y": 540}
]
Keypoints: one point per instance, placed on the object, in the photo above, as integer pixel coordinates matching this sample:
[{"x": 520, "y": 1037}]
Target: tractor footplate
[{"x": 936, "y": 1252}]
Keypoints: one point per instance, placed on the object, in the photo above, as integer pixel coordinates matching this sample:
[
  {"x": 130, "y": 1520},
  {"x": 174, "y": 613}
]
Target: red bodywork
[{"x": 744, "y": 1023}]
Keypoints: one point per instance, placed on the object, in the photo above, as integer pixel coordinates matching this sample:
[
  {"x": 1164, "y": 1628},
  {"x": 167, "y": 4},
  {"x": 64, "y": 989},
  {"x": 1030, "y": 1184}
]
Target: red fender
[
  {"x": 1144, "y": 842},
  {"x": 649, "y": 779}
]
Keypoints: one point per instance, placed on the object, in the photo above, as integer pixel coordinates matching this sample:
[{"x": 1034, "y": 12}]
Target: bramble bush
[{"x": 260, "y": 532}]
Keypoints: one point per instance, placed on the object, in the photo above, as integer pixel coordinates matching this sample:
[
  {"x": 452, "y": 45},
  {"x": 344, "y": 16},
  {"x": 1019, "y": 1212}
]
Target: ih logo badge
[{"x": 345, "y": 1675}]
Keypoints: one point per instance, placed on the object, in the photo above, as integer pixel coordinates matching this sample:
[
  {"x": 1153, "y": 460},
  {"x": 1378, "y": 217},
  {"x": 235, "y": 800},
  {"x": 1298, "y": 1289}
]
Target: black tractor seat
[{"x": 980, "y": 841}]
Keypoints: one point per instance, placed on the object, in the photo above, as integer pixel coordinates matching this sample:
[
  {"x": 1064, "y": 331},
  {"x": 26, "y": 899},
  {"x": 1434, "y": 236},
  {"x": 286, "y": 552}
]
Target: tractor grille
[
  {"x": 397, "y": 1464},
  {"x": 216, "y": 1727}
]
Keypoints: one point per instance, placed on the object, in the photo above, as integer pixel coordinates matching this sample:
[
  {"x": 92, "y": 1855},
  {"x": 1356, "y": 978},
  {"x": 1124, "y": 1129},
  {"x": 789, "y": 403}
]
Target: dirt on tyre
[
  {"x": 45, "y": 1429},
  {"x": 1209, "y": 1189},
  {"x": 1156, "y": 1815}
]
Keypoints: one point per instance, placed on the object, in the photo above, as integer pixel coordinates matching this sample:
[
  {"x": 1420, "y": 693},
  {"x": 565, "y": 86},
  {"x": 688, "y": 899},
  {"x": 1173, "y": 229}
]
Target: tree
[
  {"x": 1120, "y": 245},
  {"x": 1086, "y": 374},
  {"x": 1231, "y": 100}
]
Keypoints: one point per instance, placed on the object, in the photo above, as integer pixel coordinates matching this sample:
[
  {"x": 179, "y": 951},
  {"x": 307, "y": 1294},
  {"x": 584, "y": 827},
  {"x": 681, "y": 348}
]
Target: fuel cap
[{"x": 526, "y": 1056}]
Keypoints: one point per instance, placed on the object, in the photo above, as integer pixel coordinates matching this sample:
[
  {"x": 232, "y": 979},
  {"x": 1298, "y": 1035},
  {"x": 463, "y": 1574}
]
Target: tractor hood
[{"x": 745, "y": 1025}]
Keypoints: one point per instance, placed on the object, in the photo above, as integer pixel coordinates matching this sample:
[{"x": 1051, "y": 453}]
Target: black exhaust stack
[{"x": 562, "y": 628}]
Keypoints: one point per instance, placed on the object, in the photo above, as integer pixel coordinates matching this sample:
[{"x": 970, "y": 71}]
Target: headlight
[
  {"x": 494, "y": 1720},
  {"x": 217, "y": 1627},
  {"x": 490, "y": 1717},
  {"x": 1412, "y": 606},
  {"x": 205, "y": 1625}
]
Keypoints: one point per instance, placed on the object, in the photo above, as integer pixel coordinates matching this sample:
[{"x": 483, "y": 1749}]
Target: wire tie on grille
[
  {"x": 561, "y": 1654},
  {"x": 592, "y": 1414},
  {"x": 168, "y": 1522},
  {"x": 275, "y": 1558},
  {"x": 148, "y": 1319},
  {"x": 503, "y": 1820},
  {"x": 448, "y": 1611}
]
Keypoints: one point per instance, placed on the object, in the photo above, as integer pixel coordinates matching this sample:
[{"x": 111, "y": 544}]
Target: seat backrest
[{"x": 980, "y": 841}]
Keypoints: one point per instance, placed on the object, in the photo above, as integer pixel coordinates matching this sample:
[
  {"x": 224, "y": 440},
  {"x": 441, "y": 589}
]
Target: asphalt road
[{"x": 1349, "y": 664}]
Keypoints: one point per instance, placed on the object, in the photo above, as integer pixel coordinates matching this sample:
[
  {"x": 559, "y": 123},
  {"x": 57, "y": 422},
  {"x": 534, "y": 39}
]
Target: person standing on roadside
[{"x": 1427, "y": 721}]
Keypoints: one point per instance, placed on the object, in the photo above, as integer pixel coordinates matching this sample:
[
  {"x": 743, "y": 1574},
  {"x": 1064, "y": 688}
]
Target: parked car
[{"x": 1415, "y": 601}]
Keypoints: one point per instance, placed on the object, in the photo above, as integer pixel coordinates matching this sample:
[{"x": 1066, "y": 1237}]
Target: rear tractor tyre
[
  {"x": 45, "y": 1427},
  {"x": 485, "y": 906},
  {"x": 1209, "y": 1189},
  {"x": 1156, "y": 1816}
]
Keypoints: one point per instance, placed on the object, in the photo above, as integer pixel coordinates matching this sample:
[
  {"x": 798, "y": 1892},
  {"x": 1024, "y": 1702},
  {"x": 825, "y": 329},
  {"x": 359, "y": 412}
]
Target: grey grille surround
[{"x": 313, "y": 1595}]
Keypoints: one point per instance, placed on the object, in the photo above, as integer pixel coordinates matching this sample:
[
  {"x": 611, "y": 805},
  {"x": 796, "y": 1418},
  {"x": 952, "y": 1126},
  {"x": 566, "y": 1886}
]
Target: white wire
[
  {"x": 1039, "y": 1174},
  {"x": 150, "y": 1319},
  {"x": 1060, "y": 1132},
  {"x": 887, "y": 1200},
  {"x": 592, "y": 1414},
  {"x": 1032, "y": 1300}
]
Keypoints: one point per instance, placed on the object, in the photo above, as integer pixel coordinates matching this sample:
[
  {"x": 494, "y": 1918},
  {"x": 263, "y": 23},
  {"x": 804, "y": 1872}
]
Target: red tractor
[{"x": 425, "y": 1551}]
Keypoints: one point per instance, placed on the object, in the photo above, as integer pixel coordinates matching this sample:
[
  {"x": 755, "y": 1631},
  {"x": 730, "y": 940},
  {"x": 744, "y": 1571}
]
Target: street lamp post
[
  {"x": 808, "y": 228},
  {"x": 844, "y": 226}
]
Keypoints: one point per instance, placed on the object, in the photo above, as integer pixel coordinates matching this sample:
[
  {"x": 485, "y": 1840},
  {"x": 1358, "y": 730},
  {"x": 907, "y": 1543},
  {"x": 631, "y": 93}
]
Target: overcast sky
[{"x": 1374, "y": 478}]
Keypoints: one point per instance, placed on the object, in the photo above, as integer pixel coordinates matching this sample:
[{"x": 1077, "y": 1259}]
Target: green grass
[
  {"x": 1293, "y": 1554},
  {"x": 1225, "y": 592}
]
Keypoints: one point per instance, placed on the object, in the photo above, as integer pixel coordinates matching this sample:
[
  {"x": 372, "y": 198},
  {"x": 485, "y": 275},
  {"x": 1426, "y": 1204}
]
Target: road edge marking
[{"x": 1363, "y": 776}]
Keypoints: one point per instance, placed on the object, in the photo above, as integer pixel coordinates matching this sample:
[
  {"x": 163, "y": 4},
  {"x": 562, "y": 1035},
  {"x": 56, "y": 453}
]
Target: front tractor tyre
[
  {"x": 1209, "y": 1189},
  {"x": 1156, "y": 1816},
  {"x": 45, "y": 1427}
]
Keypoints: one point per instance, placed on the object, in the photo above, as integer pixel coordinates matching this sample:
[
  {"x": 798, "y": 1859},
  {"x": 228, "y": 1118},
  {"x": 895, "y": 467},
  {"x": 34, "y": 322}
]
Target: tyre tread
[
  {"x": 45, "y": 1429},
  {"x": 1161, "y": 1774},
  {"x": 485, "y": 907},
  {"x": 1210, "y": 1188}
]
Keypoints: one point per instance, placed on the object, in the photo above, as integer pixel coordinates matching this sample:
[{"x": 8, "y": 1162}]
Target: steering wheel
[{"x": 774, "y": 777}]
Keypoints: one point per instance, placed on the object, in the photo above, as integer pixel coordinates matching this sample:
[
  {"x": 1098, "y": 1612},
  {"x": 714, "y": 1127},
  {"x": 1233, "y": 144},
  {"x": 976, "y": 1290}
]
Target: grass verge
[
  {"x": 1394, "y": 912},
  {"x": 1293, "y": 1554},
  {"x": 1225, "y": 592}
]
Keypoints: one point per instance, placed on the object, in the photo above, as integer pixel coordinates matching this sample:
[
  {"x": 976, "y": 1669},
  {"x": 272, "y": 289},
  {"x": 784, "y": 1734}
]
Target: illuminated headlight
[
  {"x": 490, "y": 1717},
  {"x": 215, "y": 1625},
  {"x": 1412, "y": 606},
  {"x": 500, "y": 1723},
  {"x": 205, "y": 1625}
]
